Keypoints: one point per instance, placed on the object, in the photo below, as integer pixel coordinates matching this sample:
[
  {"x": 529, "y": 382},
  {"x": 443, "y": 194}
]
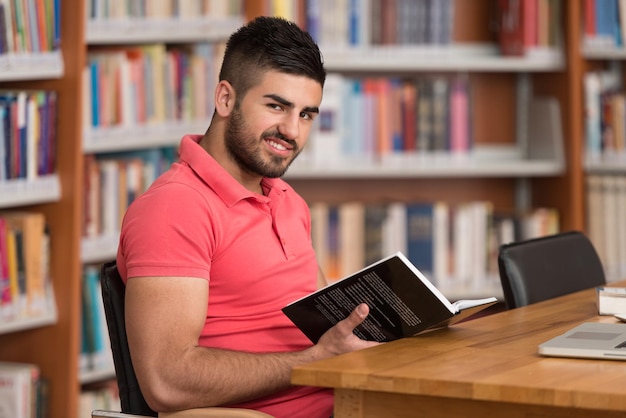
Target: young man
[{"x": 219, "y": 243}]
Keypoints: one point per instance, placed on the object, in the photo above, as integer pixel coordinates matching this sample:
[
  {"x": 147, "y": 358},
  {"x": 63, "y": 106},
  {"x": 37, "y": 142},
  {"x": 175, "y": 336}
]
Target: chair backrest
[
  {"x": 113, "y": 292},
  {"x": 543, "y": 268}
]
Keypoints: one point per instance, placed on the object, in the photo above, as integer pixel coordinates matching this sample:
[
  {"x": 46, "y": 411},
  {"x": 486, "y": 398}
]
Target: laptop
[{"x": 595, "y": 340}]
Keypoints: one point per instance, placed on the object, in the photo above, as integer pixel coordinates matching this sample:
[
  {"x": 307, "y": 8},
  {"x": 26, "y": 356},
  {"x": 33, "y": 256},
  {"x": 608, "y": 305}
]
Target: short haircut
[{"x": 270, "y": 43}]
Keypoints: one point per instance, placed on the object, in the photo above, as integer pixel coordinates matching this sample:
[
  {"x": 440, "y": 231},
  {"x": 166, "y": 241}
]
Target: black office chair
[
  {"x": 132, "y": 401},
  {"x": 543, "y": 268}
]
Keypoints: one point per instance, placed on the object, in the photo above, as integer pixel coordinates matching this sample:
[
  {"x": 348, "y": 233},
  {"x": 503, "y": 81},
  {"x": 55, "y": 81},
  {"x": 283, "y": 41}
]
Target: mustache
[{"x": 278, "y": 135}]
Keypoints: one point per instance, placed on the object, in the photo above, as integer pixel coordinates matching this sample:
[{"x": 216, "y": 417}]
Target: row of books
[
  {"x": 95, "y": 350},
  {"x": 29, "y": 26},
  {"x": 25, "y": 289},
  {"x": 454, "y": 245},
  {"x": 113, "y": 181},
  {"x": 524, "y": 25},
  {"x": 150, "y": 84},
  {"x": 379, "y": 22},
  {"x": 366, "y": 23},
  {"x": 23, "y": 391},
  {"x": 605, "y": 115},
  {"x": 606, "y": 223},
  {"x": 366, "y": 118},
  {"x": 162, "y": 9},
  {"x": 603, "y": 23},
  {"x": 27, "y": 134}
]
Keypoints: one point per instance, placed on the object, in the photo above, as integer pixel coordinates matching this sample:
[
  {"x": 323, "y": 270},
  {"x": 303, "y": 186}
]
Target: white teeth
[{"x": 277, "y": 145}]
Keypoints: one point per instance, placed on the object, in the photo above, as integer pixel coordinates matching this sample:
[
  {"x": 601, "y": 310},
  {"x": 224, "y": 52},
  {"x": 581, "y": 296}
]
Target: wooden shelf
[
  {"x": 454, "y": 58},
  {"x": 99, "y": 249},
  {"x": 21, "y": 192},
  {"x": 28, "y": 323},
  {"x": 97, "y": 375},
  {"x": 605, "y": 166},
  {"x": 592, "y": 52},
  {"x": 48, "y": 317},
  {"x": 486, "y": 162},
  {"x": 139, "y": 137},
  {"x": 138, "y": 31},
  {"x": 31, "y": 66}
]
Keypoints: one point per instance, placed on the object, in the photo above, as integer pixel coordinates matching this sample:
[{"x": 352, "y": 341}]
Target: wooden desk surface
[{"x": 485, "y": 360}]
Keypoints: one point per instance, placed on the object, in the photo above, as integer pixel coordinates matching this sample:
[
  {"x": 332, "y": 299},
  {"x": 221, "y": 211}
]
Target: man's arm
[{"x": 179, "y": 374}]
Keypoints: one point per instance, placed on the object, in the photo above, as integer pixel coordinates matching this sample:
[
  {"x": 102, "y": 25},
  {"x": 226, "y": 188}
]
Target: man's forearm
[{"x": 207, "y": 377}]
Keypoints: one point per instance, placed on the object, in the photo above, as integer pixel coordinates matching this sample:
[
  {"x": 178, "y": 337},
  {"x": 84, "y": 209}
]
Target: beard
[{"x": 245, "y": 149}]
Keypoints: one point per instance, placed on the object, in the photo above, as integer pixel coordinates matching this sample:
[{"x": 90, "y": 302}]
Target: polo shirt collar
[{"x": 216, "y": 176}]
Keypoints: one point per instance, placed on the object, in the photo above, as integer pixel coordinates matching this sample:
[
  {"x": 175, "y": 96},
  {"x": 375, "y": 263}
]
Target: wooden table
[{"x": 487, "y": 367}]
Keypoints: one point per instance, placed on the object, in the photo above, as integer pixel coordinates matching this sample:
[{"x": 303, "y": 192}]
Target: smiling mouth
[{"x": 277, "y": 145}]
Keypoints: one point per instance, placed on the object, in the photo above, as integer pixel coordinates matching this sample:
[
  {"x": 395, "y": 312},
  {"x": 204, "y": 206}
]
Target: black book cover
[{"x": 402, "y": 301}]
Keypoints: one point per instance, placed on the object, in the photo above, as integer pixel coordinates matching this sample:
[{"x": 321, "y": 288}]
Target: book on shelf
[
  {"x": 24, "y": 250},
  {"x": 527, "y": 24},
  {"x": 606, "y": 203},
  {"x": 611, "y": 300},
  {"x": 103, "y": 396},
  {"x": 19, "y": 387},
  {"x": 603, "y": 23},
  {"x": 511, "y": 27},
  {"x": 453, "y": 244},
  {"x": 95, "y": 344},
  {"x": 113, "y": 181},
  {"x": 29, "y": 27},
  {"x": 27, "y": 134},
  {"x": 402, "y": 302}
]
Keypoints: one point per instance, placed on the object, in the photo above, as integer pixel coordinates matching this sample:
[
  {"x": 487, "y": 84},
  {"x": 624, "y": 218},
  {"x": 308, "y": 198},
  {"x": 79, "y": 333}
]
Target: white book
[
  {"x": 17, "y": 391},
  {"x": 441, "y": 241},
  {"x": 395, "y": 229},
  {"x": 611, "y": 300},
  {"x": 109, "y": 177},
  {"x": 326, "y": 138},
  {"x": 595, "y": 215},
  {"x": 611, "y": 238},
  {"x": 32, "y": 136},
  {"x": 621, "y": 224},
  {"x": 351, "y": 237}
]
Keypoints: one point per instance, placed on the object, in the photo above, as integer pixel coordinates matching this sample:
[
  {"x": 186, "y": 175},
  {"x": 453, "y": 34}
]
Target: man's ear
[{"x": 224, "y": 98}]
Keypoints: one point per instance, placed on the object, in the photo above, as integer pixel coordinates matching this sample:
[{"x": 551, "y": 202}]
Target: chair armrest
[
  {"x": 100, "y": 413},
  {"x": 215, "y": 412}
]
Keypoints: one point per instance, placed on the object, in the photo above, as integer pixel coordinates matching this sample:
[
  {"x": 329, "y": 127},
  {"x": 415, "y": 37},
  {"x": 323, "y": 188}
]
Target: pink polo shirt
[{"x": 197, "y": 221}]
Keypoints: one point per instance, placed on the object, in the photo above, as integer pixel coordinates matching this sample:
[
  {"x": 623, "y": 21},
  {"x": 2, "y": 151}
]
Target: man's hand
[{"x": 340, "y": 338}]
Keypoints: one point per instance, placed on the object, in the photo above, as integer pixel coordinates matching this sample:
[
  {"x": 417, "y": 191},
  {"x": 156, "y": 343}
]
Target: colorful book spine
[{"x": 27, "y": 134}]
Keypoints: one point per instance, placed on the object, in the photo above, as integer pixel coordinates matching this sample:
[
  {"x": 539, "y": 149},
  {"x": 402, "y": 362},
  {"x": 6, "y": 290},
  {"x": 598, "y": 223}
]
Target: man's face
[{"x": 270, "y": 125}]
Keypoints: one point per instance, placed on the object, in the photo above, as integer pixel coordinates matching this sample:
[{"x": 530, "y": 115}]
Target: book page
[{"x": 462, "y": 304}]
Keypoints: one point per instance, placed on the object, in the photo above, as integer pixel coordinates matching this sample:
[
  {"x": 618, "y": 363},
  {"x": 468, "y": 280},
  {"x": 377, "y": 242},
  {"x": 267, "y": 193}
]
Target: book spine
[{"x": 5, "y": 281}]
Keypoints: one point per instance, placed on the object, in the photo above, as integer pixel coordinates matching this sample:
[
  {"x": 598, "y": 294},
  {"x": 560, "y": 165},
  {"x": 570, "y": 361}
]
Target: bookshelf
[
  {"x": 603, "y": 160},
  {"x": 53, "y": 344},
  {"x": 555, "y": 181},
  {"x": 132, "y": 138},
  {"x": 518, "y": 158}
]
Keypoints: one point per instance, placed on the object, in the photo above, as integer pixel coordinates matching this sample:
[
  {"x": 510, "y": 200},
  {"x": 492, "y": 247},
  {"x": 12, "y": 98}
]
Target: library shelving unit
[
  {"x": 603, "y": 172},
  {"x": 54, "y": 345},
  {"x": 121, "y": 33},
  {"x": 515, "y": 165},
  {"x": 496, "y": 81}
]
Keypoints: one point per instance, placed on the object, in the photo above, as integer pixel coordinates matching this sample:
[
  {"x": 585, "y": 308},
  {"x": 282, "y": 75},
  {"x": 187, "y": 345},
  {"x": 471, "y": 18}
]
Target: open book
[{"x": 402, "y": 302}]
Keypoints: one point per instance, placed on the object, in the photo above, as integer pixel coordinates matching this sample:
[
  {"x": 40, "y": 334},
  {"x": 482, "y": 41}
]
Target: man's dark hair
[{"x": 270, "y": 43}]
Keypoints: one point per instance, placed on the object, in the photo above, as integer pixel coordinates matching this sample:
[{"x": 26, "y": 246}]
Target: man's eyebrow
[{"x": 291, "y": 105}]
